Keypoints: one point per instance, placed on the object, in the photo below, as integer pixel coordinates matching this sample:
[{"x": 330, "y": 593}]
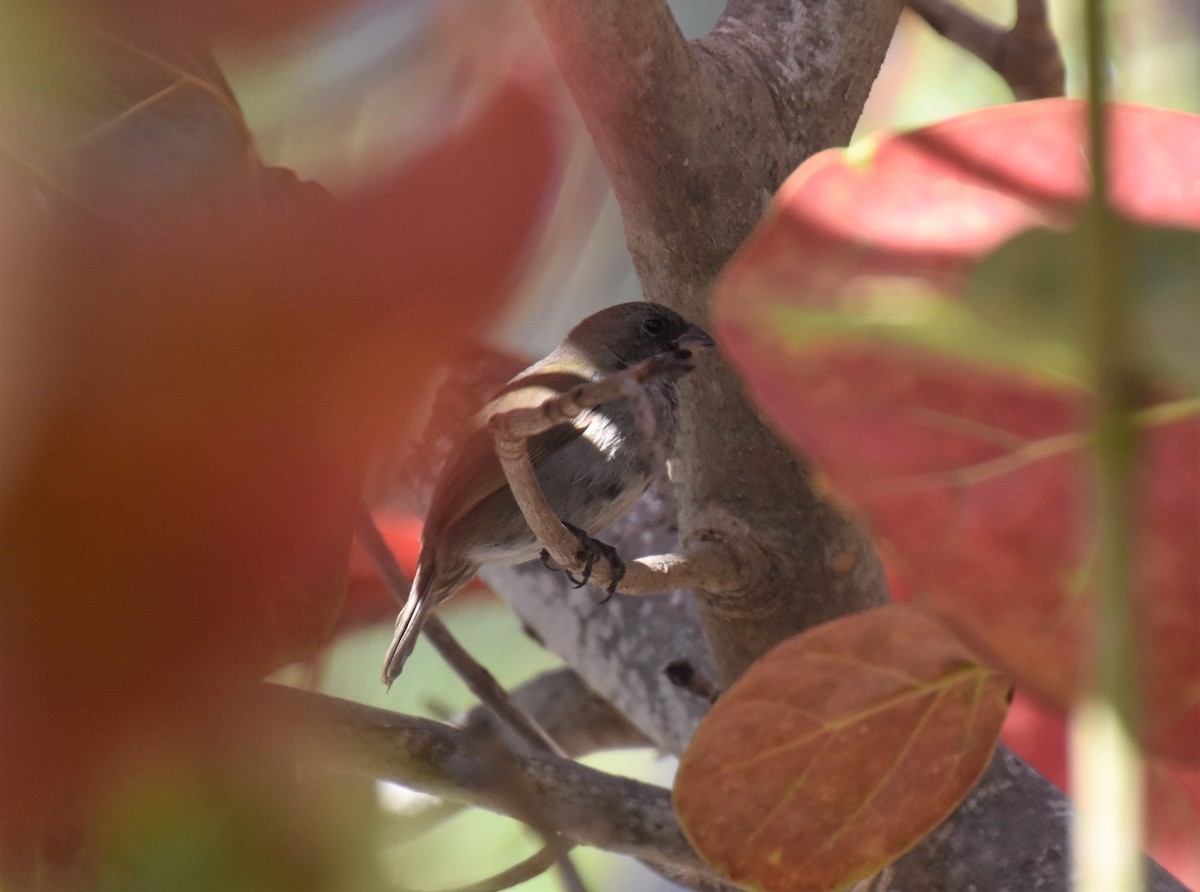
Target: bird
[{"x": 591, "y": 469}]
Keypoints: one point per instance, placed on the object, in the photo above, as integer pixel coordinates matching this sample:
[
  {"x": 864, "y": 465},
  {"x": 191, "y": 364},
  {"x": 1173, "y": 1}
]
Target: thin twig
[
  {"x": 533, "y": 866},
  {"x": 711, "y": 561},
  {"x": 483, "y": 685},
  {"x": 1105, "y": 761},
  {"x": 530, "y": 810},
  {"x": 1027, "y": 55},
  {"x": 575, "y": 716},
  {"x": 381, "y": 555},
  {"x": 477, "y": 678}
]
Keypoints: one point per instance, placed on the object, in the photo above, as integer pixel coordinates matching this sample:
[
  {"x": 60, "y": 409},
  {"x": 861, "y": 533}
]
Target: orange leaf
[{"x": 838, "y": 751}]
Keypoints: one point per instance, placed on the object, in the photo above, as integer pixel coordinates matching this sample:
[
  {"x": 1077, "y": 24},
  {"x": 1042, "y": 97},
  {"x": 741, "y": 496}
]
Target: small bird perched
[{"x": 591, "y": 470}]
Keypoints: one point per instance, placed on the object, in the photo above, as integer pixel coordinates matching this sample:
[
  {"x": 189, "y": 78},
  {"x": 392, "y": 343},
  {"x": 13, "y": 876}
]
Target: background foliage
[{"x": 344, "y": 94}]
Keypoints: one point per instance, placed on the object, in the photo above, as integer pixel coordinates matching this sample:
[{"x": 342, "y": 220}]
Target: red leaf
[
  {"x": 206, "y": 390},
  {"x": 975, "y": 471},
  {"x": 1173, "y": 820},
  {"x": 838, "y": 751},
  {"x": 402, "y": 533},
  {"x": 1172, "y": 831}
]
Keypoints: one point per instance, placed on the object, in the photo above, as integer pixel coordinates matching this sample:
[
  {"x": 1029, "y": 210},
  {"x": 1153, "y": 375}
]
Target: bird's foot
[{"x": 590, "y": 551}]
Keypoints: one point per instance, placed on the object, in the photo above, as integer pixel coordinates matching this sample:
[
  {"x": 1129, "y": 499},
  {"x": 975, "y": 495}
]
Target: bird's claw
[
  {"x": 590, "y": 551},
  {"x": 549, "y": 563}
]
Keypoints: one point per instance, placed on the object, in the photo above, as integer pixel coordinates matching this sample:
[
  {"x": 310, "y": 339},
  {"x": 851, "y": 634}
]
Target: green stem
[{"x": 1105, "y": 764}]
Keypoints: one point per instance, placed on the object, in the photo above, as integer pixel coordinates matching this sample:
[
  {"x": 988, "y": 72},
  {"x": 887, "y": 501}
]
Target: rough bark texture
[{"x": 695, "y": 138}]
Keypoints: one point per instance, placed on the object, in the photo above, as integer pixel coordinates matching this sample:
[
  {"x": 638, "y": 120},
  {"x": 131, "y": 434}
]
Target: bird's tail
[{"x": 409, "y": 623}]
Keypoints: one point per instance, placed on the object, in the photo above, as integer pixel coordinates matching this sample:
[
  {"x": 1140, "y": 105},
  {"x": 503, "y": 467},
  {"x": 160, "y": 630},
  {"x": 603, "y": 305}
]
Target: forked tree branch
[
  {"x": 585, "y": 805},
  {"x": 1027, "y": 55},
  {"x": 633, "y": 818},
  {"x": 696, "y": 138},
  {"x": 579, "y": 720}
]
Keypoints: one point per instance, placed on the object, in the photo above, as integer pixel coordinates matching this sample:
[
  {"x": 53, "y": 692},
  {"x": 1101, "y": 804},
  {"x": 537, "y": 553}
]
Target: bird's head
[{"x": 626, "y": 334}]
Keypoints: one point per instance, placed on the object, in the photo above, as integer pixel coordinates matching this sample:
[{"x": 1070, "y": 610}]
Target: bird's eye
[{"x": 654, "y": 325}]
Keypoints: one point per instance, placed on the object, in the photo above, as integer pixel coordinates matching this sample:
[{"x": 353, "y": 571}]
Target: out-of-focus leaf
[
  {"x": 1028, "y": 291},
  {"x": 1173, "y": 819},
  {"x": 838, "y": 751},
  {"x": 970, "y": 459},
  {"x": 1172, "y": 831},
  {"x": 222, "y": 19},
  {"x": 911, "y": 313},
  {"x": 1029, "y": 288},
  {"x": 203, "y": 382},
  {"x": 240, "y": 818},
  {"x": 121, "y": 125},
  {"x": 1166, "y": 284}
]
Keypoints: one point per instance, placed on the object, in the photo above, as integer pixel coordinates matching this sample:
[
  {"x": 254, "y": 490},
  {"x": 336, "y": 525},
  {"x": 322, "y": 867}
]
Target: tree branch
[
  {"x": 588, "y": 806},
  {"x": 579, "y": 719},
  {"x": 1010, "y": 833},
  {"x": 1027, "y": 55},
  {"x": 576, "y": 717},
  {"x": 696, "y": 138}
]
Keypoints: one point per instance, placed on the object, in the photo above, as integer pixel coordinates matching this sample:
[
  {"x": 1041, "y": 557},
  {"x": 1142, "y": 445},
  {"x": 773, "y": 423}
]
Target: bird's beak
[{"x": 693, "y": 337}]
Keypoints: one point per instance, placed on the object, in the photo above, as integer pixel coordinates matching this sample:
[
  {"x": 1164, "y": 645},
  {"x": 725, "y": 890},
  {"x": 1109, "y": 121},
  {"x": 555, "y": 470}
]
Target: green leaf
[
  {"x": 1166, "y": 270},
  {"x": 1028, "y": 289}
]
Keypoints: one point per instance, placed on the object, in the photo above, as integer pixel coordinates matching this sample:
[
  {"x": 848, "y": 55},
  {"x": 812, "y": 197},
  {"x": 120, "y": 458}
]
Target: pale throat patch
[{"x": 601, "y": 432}]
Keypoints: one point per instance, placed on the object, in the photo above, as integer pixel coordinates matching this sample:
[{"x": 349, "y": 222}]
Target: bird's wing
[{"x": 473, "y": 472}]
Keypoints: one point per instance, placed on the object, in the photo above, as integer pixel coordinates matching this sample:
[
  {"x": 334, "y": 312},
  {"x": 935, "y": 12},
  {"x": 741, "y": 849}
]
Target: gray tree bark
[{"x": 696, "y": 137}]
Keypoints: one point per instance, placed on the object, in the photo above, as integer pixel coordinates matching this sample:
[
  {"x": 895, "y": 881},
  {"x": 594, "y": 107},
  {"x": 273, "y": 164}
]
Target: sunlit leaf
[
  {"x": 838, "y": 751},
  {"x": 961, "y": 435}
]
